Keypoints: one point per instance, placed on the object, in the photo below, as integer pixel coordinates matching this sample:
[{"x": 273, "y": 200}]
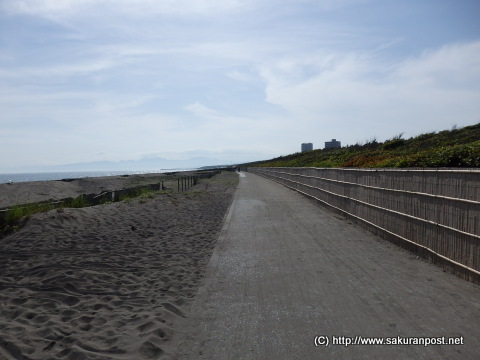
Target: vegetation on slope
[{"x": 448, "y": 148}]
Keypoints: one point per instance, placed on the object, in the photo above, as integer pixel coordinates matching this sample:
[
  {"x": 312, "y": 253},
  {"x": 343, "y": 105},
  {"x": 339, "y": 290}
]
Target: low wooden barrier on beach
[
  {"x": 434, "y": 213},
  {"x": 184, "y": 182}
]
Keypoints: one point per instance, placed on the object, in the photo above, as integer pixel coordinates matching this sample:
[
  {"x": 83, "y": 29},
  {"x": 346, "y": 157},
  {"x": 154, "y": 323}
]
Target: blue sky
[{"x": 228, "y": 81}]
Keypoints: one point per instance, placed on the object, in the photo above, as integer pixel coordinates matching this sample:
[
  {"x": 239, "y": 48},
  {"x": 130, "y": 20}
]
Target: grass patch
[
  {"x": 143, "y": 194},
  {"x": 78, "y": 202},
  {"x": 17, "y": 216},
  {"x": 458, "y": 147},
  {"x": 194, "y": 194},
  {"x": 12, "y": 219}
]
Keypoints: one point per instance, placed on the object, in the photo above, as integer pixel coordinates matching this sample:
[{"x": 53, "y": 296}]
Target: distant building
[
  {"x": 334, "y": 144},
  {"x": 307, "y": 147}
]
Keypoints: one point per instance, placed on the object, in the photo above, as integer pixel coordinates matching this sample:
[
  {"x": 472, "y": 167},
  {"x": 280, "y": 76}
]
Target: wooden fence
[
  {"x": 183, "y": 182},
  {"x": 434, "y": 213}
]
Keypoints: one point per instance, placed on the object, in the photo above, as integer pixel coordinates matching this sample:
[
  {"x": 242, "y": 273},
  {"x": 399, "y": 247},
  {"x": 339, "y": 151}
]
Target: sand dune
[
  {"x": 111, "y": 281},
  {"x": 26, "y": 192}
]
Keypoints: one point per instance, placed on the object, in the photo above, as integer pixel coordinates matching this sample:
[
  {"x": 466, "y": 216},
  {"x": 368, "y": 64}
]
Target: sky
[{"x": 231, "y": 81}]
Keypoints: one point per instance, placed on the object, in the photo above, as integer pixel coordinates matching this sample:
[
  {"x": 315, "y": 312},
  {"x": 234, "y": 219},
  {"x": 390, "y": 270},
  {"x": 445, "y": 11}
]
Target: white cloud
[
  {"x": 64, "y": 70},
  {"x": 450, "y": 67},
  {"x": 203, "y": 111},
  {"x": 438, "y": 87},
  {"x": 240, "y": 76},
  {"x": 56, "y": 9},
  {"x": 130, "y": 77}
]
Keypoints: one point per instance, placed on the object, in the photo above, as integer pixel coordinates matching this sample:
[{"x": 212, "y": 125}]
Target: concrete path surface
[{"x": 288, "y": 275}]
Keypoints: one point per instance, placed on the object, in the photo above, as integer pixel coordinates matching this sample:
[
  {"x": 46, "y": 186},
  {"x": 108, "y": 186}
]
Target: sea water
[{"x": 24, "y": 177}]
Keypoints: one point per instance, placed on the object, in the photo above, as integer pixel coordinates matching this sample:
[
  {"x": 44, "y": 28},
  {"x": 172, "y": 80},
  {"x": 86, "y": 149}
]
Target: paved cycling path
[{"x": 286, "y": 270}]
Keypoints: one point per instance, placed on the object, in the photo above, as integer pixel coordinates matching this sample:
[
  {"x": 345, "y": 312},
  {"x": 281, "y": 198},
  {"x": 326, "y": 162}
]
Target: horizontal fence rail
[
  {"x": 434, "y": 213},
  {"x": 183, "y": 182}
]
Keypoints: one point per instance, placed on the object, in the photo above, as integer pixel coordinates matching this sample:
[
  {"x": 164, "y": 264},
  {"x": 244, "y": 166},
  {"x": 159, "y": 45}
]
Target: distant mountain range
[{"x": 156, "y": 163}]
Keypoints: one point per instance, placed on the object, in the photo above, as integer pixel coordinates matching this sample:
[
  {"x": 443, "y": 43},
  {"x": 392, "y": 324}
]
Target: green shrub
[
  {"x": 78, "y": 202},
  {"x": 448, "y": 148}
]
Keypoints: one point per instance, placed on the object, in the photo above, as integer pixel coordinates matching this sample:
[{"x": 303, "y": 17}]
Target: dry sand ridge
[{"x": 108, "y": 282}]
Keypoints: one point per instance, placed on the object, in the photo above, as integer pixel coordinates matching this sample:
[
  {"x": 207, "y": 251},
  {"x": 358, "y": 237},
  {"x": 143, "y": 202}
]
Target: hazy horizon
[
  {"x": 148, "y": 165},
  {"x": 208, "y": 83}
]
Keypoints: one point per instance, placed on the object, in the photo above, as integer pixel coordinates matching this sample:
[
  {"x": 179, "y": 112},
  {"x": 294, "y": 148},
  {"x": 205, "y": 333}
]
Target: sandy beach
[
  {"x": 26, "y": 192},
  {"x": 111, "y": 281}
]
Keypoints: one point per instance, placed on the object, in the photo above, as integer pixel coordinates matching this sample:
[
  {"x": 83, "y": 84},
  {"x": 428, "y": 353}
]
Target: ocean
[{"x": 24, "y": 177}]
